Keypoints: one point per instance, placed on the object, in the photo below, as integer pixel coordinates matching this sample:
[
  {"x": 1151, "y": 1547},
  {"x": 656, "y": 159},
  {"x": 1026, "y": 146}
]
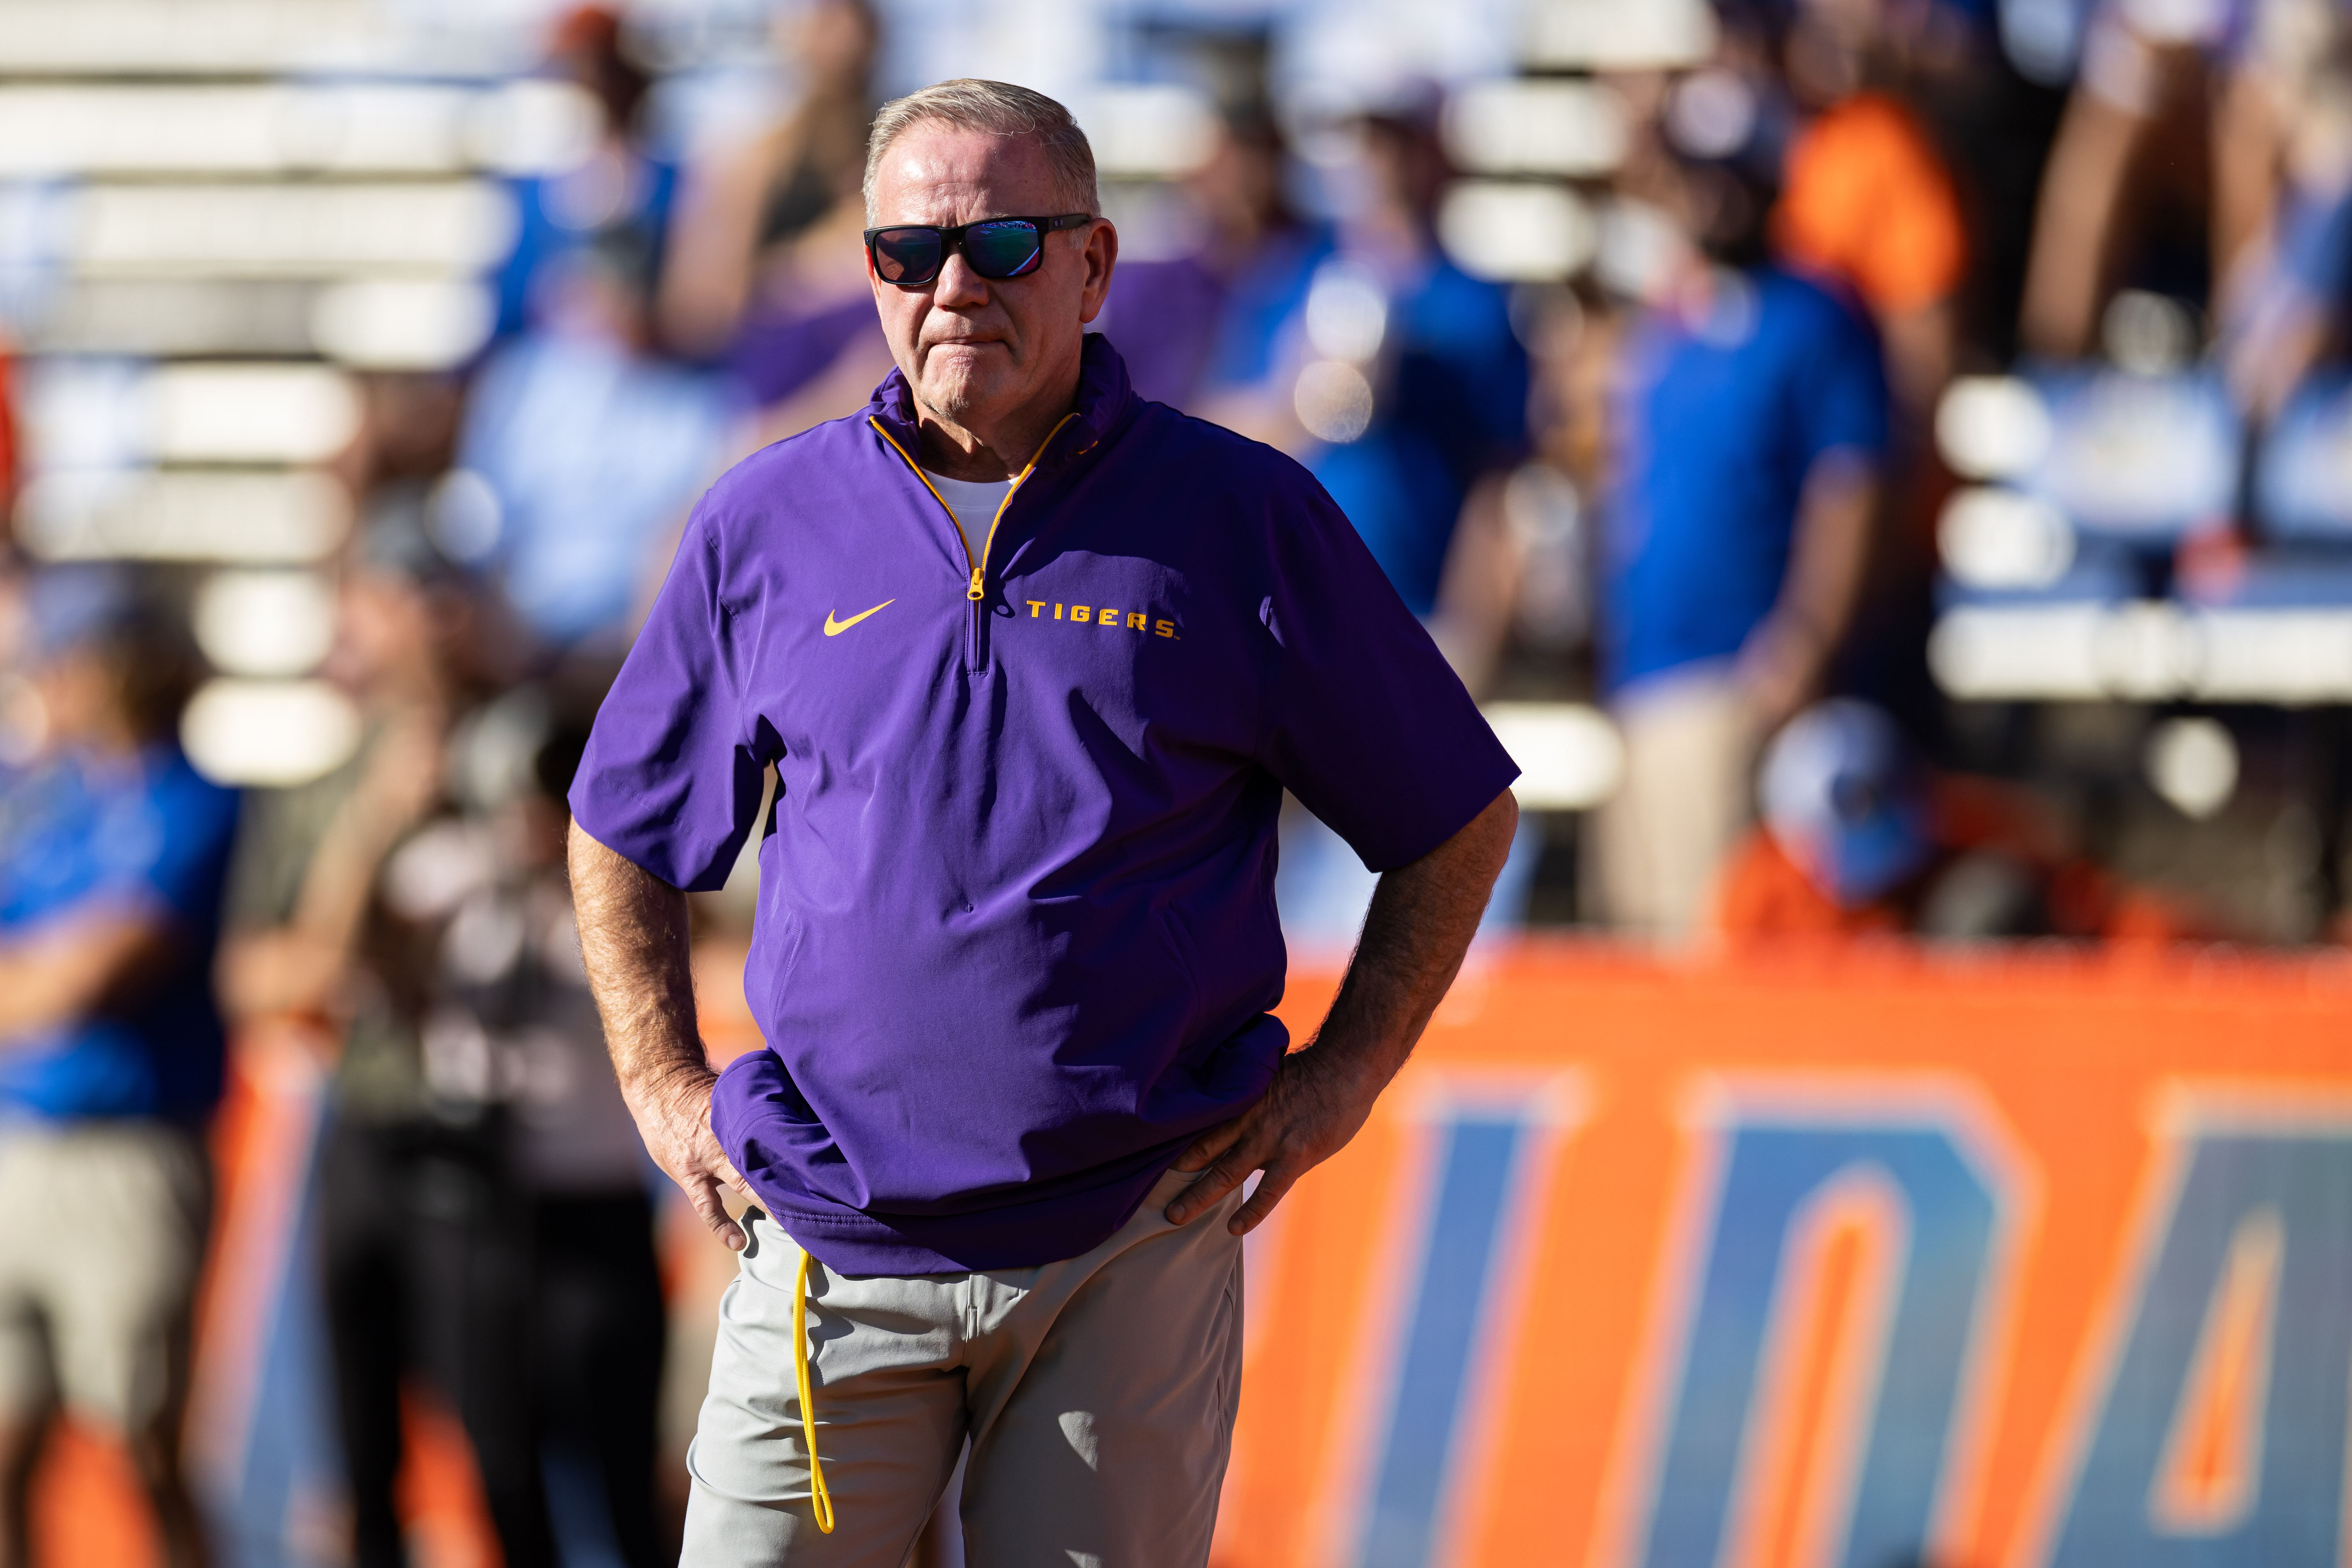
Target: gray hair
[{"x": 993, "y": 109}]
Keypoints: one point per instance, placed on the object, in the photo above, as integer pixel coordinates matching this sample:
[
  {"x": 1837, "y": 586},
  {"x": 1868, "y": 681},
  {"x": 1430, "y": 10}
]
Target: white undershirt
[{"x": 974, "y": 504}]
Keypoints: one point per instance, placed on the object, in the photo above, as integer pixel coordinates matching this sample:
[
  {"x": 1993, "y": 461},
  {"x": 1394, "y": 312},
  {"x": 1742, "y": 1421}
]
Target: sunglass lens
[
  {"x": 1004, "y": 249},
  {"x": 906, "y": 255}
]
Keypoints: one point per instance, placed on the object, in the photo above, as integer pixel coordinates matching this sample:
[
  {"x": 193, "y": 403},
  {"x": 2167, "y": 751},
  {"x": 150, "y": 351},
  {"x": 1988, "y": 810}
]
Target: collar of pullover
[{"x": 1104, "y": 404}]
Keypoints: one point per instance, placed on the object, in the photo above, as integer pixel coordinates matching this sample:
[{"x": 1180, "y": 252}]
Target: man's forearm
[
  {"x": 633, "y": 939},
  {"x": 1832, "y": 549},
  {"x": 634, "y": 942},
  {"x": 65, "y": 974},
  {"x": 1420, "y": 926},
  {"x": 2081, "y": 191},
  {"x": 1784, "y": 658},
  {"x": 1415, "y": 935}
]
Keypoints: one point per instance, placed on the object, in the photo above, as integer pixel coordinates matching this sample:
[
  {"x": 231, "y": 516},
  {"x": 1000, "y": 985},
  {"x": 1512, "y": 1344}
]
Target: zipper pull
[{"x": 976, "y": 592}]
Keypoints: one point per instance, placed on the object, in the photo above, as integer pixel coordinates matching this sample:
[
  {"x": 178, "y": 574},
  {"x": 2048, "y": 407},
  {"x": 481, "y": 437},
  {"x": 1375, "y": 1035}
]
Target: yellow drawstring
[{"x": 823, "y": 1499}]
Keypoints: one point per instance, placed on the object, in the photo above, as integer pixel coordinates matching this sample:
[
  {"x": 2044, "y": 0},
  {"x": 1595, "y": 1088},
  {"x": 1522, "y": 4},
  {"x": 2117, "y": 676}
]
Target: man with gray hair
[{"x": 1033, "y": 662}]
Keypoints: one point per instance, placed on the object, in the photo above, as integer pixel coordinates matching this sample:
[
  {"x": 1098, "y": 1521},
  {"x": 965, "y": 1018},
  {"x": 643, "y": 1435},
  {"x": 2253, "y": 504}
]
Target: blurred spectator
[
  {"x": 1516, "y": 597},
  {"x": 512, "y": 1035},
  {"x": 1753, "y": 419},
  {"x": 1954, "y": 66},
  {"x": 1212, "y": 315},
  {"x": 1453, "y": 407},
  {"x": 426, "y": 1241},
  {"x": 1858, "y": 838},
  {"x": 780, "y": 183},
  {"x": 590, "y": 449},
  {"x": 1867, "y": 199},
  {"x": 113, "y": 853},
  {"x": 768, "y": 270},
  {"x": 619, "y": 190},
  {"x": 1391, "y": 373},
  {"x": 1865, "y": 196},
  {"x": 487, "y": 1224},
  {"x": 1452, "y": 404},
  {"x": 1395, "y": 377}
]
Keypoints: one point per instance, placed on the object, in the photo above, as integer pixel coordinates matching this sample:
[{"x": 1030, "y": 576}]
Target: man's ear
[{"x": 1101, "y": 242}]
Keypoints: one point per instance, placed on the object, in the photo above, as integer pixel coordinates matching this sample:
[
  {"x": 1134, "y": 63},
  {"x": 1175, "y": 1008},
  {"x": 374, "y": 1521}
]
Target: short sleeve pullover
[{"x": 1017, "y": 940}]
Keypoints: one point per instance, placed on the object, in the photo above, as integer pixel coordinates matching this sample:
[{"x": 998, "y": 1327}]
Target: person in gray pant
[{"x": 1033, "y": 660}]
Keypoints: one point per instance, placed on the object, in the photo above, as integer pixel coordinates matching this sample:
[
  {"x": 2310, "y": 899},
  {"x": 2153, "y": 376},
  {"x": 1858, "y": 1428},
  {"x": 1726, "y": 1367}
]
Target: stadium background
[{"x": 1790, "y": 1238}]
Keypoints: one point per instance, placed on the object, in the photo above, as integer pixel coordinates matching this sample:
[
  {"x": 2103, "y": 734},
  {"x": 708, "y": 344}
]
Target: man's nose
[{"x": 958, "y": 286}]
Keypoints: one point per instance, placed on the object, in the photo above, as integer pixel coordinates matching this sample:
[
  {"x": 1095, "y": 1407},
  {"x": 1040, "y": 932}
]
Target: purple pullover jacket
[{"x": 1017, "y": 940}]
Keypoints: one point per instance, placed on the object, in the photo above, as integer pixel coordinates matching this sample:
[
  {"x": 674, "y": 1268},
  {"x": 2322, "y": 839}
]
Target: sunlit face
[{"x": 977, "y": 350}]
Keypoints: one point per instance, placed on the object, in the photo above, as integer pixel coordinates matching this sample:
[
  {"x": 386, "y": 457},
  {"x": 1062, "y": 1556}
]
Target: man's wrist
[
  {"x": 668, "y": 1081},
  {"x": 1359, "y": 1070}
]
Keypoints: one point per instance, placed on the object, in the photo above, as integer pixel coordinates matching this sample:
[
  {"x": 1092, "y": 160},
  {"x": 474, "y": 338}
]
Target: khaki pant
[
  {"x": 102, "y": 1233},
  {"x": 1688, "y": 793},
  {"x": 1098, "y": 1396}
]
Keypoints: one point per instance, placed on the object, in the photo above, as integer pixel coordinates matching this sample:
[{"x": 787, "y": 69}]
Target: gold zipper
[
  {"x": 1019, "y": 479},
  {"x": 977, "y": 590}
]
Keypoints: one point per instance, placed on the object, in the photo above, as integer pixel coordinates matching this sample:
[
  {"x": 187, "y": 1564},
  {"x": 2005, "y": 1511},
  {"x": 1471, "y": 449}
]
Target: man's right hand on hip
[{"x": 674, "y": 1118}]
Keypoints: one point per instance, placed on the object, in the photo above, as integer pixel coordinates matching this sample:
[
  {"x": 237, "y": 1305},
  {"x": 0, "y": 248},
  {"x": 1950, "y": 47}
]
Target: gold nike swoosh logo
[{"x": 835, "y": 628}]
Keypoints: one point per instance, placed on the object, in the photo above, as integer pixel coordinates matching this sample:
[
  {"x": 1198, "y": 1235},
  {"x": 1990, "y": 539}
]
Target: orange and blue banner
[
  {"x": 1856, "y": 1258},
  {"x": 1821, "y": 1260}
]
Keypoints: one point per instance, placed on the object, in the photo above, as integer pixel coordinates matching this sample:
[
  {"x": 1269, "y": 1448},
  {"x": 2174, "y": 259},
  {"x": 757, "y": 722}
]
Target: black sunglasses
[{"x": 910, "y": 254}]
